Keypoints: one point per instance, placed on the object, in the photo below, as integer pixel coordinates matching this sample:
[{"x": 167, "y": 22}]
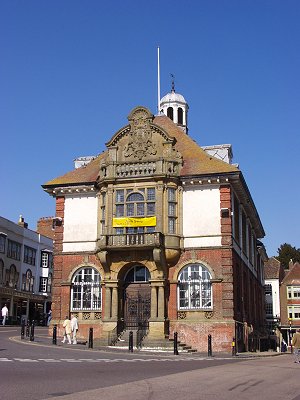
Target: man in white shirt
[
  {"x": 74, "y": 327},
  {"x": 4, "y": 312}
]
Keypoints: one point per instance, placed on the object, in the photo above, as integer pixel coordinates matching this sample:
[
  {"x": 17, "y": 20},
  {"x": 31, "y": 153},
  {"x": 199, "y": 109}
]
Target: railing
[{"x": 135, "y": 239}]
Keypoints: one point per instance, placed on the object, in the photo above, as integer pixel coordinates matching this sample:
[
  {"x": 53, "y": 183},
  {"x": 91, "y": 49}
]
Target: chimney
[
  {"x": 22, "y": 222},
  {"x": 45, "y": 227}
]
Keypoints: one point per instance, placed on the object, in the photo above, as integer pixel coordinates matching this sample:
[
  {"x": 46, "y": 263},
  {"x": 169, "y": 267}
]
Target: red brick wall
[{"x": 45, "y": 227}]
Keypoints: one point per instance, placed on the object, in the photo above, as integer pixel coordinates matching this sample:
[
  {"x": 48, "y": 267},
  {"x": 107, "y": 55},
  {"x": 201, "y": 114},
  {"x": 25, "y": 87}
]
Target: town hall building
[{"x": 158, "y": 235}]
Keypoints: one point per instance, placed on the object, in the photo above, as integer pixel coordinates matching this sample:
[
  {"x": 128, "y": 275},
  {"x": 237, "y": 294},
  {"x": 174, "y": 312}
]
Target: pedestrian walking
[
  {"x": 67, "y": 330},
  {"x": 74, "y": 328},
  {"x": 4, "y": 313},
  {"x": 296, "y": 345}
]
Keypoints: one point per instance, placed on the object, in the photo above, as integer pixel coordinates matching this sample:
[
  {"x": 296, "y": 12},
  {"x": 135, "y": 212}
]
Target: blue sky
[{"x": 71, "y": 71}]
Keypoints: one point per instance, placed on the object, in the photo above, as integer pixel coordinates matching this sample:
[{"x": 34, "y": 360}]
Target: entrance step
[{"x": 160, "y": 344}]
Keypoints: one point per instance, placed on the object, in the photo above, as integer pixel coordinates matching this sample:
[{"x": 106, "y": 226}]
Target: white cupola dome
[{"x": 174, "y": 106}]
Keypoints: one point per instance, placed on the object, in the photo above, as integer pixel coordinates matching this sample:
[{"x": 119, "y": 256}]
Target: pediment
[{"x": 141, "y": 139}]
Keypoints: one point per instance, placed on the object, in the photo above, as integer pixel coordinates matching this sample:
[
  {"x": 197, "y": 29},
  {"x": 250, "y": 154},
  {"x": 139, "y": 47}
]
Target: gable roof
[
  {"x": 272, "y": 268},
  {"x": 84, "y": 175},
  {"x": 293, "y": 276},
  {"x": 196, "y": 160}
]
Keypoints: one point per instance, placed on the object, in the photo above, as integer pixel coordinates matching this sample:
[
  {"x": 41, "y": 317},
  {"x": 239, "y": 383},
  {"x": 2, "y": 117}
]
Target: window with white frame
[
  {"x": 293, "y": 292},
  {"x": 194, "y": 288},
  {"x": 43, "y": 284},
  {"x": 294, "y": 312},
  {"x": 86, "y": 290},
  {"x": 46, "y": 259}
]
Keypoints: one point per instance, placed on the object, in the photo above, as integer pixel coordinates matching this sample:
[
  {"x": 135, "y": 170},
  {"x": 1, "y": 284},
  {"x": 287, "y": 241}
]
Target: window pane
[
  {"x": 120, "y": 196},
  {"x": 195, "y": 287},
  {"x": 171, "y": 225},
  {"x": 151, "y": 194},
  {"x": 172, "y": 209},
  {"x": 171, "y": 194},
  {"x": 130, "y": 210},
  {"x": 120, "y": 210},
  {"x": 135, "y": 197},
  {"x": 150, "y": 208},
  {"x": 140, "y": 209}
]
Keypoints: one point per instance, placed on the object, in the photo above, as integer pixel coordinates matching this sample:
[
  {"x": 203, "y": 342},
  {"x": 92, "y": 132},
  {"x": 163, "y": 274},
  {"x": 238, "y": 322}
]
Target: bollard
[
  {"x": 175, "y": 343},
  {"x": 27, "y": 329},
  {"x": 233, "y": 346},
  {"x": 54, "y": 336},
  {"x": 32, "y": 332},
  {"x": 91, "y": 339},
  {"x": 209, "y": 346},
  {"x": 130, "y": 344},
  {"x": 22, "y": 328}
]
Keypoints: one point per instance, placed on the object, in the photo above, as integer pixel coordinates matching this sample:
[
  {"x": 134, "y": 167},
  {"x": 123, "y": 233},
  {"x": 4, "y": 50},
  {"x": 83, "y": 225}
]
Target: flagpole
[{"x": 158, "y": 81}]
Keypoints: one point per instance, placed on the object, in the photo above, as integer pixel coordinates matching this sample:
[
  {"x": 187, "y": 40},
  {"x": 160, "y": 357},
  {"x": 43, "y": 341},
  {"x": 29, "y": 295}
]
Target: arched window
[
  {"x": 170, "y": 113},
  {"x": 194, "y": 288},
  {"x": 180, "y": 116},
  {"x": 13, "y": 276},
  {"x": 86, "y": 290},
  {"x": 138, "y": 273}
]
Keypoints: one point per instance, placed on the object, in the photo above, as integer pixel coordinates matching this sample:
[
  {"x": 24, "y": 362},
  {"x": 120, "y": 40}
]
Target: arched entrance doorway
[{"x": 137, "y": 298}]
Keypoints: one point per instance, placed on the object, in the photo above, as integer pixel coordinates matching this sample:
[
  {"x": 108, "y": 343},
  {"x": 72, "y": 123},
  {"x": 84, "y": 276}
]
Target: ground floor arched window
[
  {"x": 194, "y": 288},
  {"x": 86, "y": 290}
]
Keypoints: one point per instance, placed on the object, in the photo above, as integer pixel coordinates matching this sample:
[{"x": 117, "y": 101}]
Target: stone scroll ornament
[{"x": 140, "y": 136}]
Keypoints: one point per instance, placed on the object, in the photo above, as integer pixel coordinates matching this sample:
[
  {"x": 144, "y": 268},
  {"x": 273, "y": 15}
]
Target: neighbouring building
[
  {"x": 159, "y": 235},
  {"x": 274, "y": 274},
  {"x": 25, "y": 271},
  {"x": 290, "y": 301}
]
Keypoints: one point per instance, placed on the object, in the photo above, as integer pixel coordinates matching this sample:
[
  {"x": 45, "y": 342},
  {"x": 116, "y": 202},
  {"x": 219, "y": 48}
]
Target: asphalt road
[{"x": 34, "y": 371}]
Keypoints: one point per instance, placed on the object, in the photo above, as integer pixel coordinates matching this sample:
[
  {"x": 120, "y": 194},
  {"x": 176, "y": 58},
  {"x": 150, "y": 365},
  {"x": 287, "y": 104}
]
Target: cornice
[{"x": 65, "y": 190}]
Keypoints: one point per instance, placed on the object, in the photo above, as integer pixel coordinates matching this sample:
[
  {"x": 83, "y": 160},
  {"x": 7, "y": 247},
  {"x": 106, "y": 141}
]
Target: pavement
[{"x": 45, "y": 340}]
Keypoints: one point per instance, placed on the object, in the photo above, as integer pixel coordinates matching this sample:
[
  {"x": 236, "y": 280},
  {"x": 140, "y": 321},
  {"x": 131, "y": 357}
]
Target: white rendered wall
[
  {"x": 201, "y": 216},
  {"x": 80, "y": 223},
  {"x": 275, "y": 296}
]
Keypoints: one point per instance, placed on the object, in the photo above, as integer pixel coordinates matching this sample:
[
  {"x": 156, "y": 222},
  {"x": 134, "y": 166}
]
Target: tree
[{"x": 287, "y": 252}]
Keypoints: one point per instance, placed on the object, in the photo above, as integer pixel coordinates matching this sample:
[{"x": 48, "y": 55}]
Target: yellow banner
[{"x": 133, "y": 222}]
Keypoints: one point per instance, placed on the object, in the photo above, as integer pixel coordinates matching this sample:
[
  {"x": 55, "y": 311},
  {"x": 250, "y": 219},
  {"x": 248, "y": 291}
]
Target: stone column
[
  {"x": 107, "y": 309},
  {"x": 153, "y": 302},
  {"x": 161, "y": 302},
  {"x": 114, "y": 303}
]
